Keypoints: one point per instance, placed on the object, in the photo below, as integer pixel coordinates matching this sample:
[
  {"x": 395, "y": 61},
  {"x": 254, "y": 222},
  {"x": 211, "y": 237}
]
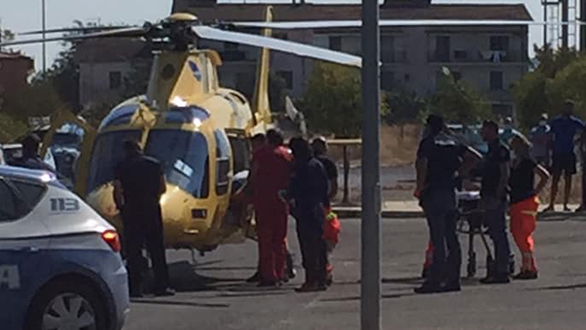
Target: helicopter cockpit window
[
  {"x": 108, "y": 152},
  {"x": 184, "y": 156},
  {"x": 223, "y": 156},
  {"x": 186, "y": 115},
  {"x": 120, "y": 116}
]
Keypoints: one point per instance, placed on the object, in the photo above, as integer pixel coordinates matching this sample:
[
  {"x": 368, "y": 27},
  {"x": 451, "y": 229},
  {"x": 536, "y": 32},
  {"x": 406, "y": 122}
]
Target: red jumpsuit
[{"x": 272, "y": 171}]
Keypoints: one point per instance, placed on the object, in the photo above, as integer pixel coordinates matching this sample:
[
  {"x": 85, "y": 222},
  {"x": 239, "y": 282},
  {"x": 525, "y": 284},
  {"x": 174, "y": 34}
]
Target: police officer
[
  {"x": 320, "y": 151},
  {"x": 440, "y": 158},
  {"x": 138, "y": 187},
  {"x": 30, "y": 155},
  {"x": 308, "y": 194},
  {"x": 495, "y": 178}
]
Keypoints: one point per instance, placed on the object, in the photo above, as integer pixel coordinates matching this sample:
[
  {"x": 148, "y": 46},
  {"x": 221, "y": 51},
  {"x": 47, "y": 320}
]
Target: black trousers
[
  {"x": 441, "y": 213},
  {"x": 312, "y": 244},
  {"x": 143, "y": 227}
]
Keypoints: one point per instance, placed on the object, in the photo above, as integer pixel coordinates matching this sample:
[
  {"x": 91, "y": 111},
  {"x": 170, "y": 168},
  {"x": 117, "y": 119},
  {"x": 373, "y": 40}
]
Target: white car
[{"x": 60, "y": 264}]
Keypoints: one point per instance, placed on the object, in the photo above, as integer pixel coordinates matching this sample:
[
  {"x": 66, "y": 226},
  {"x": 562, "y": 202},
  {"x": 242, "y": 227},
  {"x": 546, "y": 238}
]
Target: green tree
[
  {"x": 40, "y": 98},
  {"x": 332, "y": 103},
  {"x": 11, "y": 128},
  {"x": 569, "y": 84},
  {"x": 544, "y": 89},
  {"x": 405, "y": 107},
  {"x": 458, "y": 102}
]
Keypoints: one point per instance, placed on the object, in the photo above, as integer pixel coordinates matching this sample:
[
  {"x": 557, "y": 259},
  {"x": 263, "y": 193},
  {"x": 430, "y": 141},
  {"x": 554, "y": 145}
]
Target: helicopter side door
[
  {"x": 70, "y": 140},
  {"x": 240, "y": 204}
]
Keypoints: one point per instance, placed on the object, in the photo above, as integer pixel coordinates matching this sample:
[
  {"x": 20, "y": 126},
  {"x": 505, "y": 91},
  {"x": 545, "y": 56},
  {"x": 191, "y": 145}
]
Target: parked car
[{"x": 60, "y": 263}]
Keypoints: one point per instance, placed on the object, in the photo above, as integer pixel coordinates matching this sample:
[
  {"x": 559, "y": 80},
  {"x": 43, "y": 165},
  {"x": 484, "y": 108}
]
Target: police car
[{"x": 60, "y": 266}]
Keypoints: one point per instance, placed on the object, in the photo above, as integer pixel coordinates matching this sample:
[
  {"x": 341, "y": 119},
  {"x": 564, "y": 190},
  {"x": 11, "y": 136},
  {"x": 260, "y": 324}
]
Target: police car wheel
[{"x": 67, "y": 306}]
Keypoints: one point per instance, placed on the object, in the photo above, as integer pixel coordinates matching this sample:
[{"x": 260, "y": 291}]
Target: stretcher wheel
[{"x": 471, "y": 267}]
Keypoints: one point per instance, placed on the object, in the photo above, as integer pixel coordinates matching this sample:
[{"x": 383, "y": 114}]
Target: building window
[
  {"x": 387, "y": 80},
  {"x": 499, "y": 43},
  {"x": 442, "y": 48},
  {"x": 336, "y": 43},
  {"x": 287, "y": 76},
  {"x": 115, "y": 78},
  {"x": 496, "y": 81}
]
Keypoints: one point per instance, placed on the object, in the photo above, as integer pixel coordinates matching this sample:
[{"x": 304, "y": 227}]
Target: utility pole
[
  {"x": 371, "y": 190},
  {"x": 44, "y": 24},
  {"x": 565, "y": 24},
  {"x": 582, "y": 20}
]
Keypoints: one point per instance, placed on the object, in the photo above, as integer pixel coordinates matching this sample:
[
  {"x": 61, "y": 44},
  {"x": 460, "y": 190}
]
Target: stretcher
[{"x": 471, "y": 223}]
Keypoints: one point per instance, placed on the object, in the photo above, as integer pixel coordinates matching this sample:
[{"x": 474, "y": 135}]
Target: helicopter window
[
  {"x": 108, "y": 152},
  {"x": 120, "y": 116},
  {"x": 186, "y": 115},
  {"x": 184, "y": 156},
  {"x": 223, "y": 153}
]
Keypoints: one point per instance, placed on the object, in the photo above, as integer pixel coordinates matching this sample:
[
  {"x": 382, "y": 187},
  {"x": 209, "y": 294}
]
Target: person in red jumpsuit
[{"x": 271, "y": 173}]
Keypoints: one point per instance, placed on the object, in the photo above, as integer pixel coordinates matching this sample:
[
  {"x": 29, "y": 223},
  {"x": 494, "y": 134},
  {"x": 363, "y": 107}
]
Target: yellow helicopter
[{"x": 197, "y": 129}]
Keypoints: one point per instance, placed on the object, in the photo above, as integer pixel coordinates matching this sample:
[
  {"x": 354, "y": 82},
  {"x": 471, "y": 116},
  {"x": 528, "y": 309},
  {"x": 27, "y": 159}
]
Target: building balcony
[{"x": 487, "y": 57}]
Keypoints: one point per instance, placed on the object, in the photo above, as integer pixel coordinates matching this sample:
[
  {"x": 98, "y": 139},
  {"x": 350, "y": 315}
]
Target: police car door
[{"x": 21, "y": 246}]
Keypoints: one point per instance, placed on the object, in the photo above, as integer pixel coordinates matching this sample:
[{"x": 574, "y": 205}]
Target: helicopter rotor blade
[
  {"x": 131, "y": 32},
  {"x": 391, "y": 22},
  {"x": 74, "y": 29},
  {"x": 206, "y": 32}
]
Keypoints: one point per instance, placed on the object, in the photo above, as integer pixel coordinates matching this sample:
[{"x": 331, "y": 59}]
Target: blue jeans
[
  {"x": 441, "y": 213},
  {"x": 495, "y": 219}
]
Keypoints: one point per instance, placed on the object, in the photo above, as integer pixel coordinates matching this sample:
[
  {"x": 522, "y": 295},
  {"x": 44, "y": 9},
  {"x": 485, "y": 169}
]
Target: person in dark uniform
[
  {"x": 440, "y": 159},
  {"x": 320, "y": 152},
  {"x": 138, "y": 187},
  {"x": 30, "y": 155},
  {"x": 493, "y": 192},
  {"x": 308, "y": 194}
]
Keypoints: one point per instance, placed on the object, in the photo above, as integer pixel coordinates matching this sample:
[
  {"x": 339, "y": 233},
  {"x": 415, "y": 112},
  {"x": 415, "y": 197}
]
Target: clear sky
[{"x": 25, "y": 15}]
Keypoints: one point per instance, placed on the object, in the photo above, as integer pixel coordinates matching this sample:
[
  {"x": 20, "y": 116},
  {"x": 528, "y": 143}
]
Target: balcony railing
[{"x": 484, "y": 56}]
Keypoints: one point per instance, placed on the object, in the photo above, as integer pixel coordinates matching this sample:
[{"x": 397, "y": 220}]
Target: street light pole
[
  {"x": 371, "y": 189},
  {"x": 44, "y": 24}
]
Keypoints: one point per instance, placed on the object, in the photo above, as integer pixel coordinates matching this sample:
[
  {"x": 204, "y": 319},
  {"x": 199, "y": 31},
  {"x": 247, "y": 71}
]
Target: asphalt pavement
[{"x": 212, "y": 293}]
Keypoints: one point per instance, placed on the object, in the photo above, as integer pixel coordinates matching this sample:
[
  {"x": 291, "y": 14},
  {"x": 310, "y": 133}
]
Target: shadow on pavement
[
  {"x": 252, "y": 269},
  {"x": 184, "y": 278},
  {"x": 357, "y": 298},
  {"x": 177, "y": 303},
  {"x": 563, "y": 287},
  {"x": 403, "y": 280}
]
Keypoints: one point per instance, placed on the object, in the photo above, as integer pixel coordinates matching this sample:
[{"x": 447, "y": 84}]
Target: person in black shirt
[
  {"x": 30, "y": 155},
  {"x": 440, "y": 160},
  {"x": 308, "y": 194},
  {"x": 525, "y": 202},
  {"x": 320, "y": 151},
  {"x": 138, "y": 187},
  {"x": 493, "y": 192}
]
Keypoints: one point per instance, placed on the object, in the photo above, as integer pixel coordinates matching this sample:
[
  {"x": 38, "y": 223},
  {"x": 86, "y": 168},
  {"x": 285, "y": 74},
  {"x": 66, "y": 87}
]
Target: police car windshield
[
  {"x": 184, "y": 157},
  {"x": 108, "y": 152}
]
